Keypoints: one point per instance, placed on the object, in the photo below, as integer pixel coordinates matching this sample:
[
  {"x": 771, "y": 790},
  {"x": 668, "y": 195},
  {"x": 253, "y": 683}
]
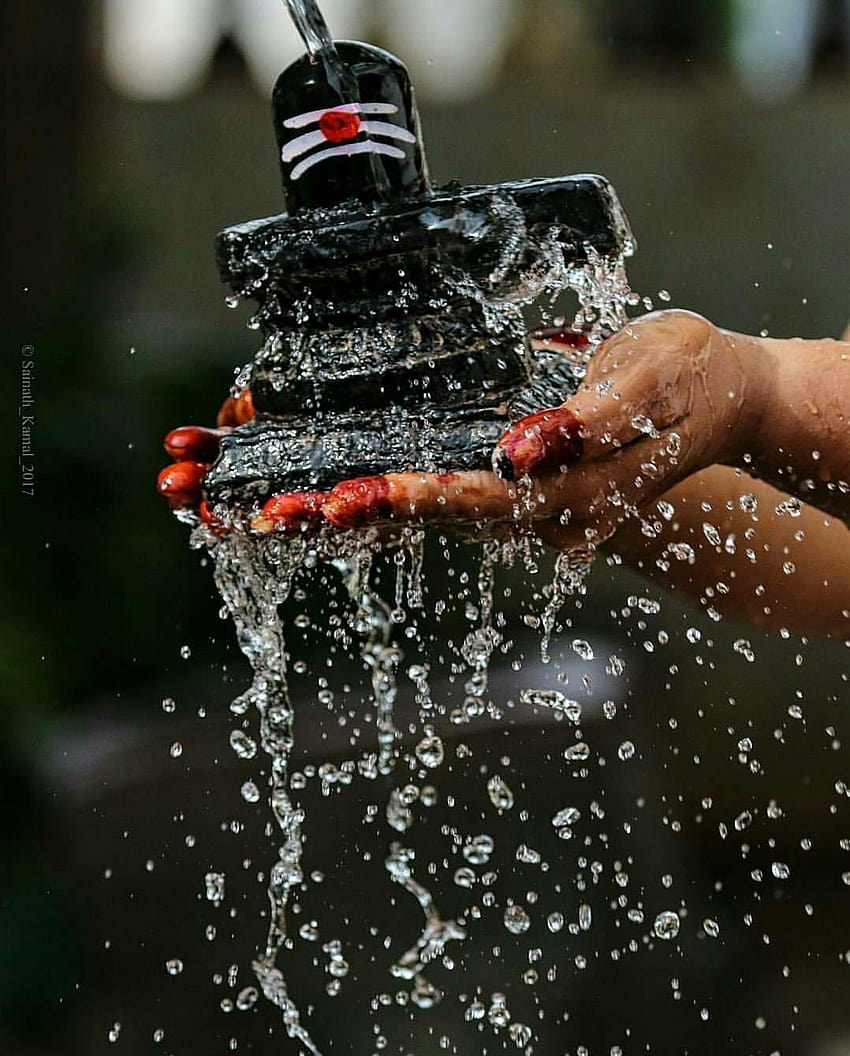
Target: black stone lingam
[{"x": 392, "y": 340}]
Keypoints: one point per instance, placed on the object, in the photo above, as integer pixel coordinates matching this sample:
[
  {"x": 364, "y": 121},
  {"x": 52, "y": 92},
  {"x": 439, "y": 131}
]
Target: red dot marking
[{"x": 339, "y": 125}]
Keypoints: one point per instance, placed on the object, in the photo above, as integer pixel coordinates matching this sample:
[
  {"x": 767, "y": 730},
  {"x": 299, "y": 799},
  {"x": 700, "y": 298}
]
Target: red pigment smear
[
  {"x": 193, "y": 442},
  {"x": 181, "y": 483},
  {"x": 354, "y": 503},
  {"x": 558, "y": 335},
  {"x": 546, "y": 438},
  {"x": 289, "y": 511}
]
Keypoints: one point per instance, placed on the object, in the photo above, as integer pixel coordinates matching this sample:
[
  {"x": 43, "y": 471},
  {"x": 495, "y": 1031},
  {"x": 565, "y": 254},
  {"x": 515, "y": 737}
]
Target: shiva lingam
[{"x": 390, "y": 309}]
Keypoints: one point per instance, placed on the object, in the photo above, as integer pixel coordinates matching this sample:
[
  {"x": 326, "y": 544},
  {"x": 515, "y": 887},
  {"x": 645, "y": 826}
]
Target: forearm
[
  {"x": 802, "y": 445},
  {"x": 746, "y": 560}
]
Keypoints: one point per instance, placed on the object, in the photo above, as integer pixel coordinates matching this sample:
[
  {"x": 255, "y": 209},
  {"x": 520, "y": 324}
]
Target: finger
[
  {"x": 640, "y": 382},
  {"x": 181, "y": 483},
  {"x": 594, "y": 497},
  {"x": 470, "y": 495},
  {"x": 548, "y": 337},
  {"x": 237, "y": 410},
  {"x": 290, "y": 512},
  {"x": 195, "y": 443},
  {"x": 544, "y": 440},
  {"x": 208, "y": 518}
]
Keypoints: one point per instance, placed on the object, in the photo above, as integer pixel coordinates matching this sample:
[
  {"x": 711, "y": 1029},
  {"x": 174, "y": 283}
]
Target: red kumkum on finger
[
  {"x": 194, "y": 442},
  {"x": 544, "y": 439},
  {"x": 236, "y": 410},
  {"x": 559, "y": 335},
  {"x": 358, "y": 502},
  {"x": 289, "y": 511},
  {"x": 209, "y": 518},
  {"x": 181, "y": 483}
]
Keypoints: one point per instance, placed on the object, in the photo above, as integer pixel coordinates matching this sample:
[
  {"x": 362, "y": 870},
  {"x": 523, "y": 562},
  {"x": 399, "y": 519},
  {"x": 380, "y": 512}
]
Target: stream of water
[{"x": 255, "y": 576}]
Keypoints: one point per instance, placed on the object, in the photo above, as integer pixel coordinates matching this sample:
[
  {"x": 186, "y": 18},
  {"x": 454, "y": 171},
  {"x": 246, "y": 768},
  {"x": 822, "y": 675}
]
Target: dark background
[{"x": 110, "y": 207}]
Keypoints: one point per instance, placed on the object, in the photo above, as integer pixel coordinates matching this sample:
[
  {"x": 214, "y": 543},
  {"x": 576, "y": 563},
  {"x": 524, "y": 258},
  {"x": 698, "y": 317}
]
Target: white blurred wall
[{"x": 160, "y": 49}]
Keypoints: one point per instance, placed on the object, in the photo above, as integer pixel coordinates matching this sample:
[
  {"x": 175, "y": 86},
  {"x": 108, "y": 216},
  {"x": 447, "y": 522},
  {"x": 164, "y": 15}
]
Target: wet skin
[
  {"x": 673, "y": 409},
  {"x": 597, "y": 457}
]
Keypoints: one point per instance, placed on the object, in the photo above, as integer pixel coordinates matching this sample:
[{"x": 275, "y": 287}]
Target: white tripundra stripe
[
  {"x": 369, "y": 147},
  {"x": 384, "y": 128},
  {"x": 301, "y": 144},
  {"x": 300, "y": 120}
]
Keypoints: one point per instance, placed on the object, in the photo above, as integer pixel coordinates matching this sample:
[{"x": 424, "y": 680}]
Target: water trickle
[{"x": 257, "y": 574}]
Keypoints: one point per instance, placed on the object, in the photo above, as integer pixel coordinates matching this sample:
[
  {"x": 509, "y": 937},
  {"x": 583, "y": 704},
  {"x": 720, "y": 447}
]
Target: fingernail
[
  {"x": 194, "y": 443},
  {"x": 181, "y": 483},
  {"x": 237, "y": 410},
  {"x": 289, "y": 511},
  {"x": 559, "y": 335},
  {"x": 227, "y": 413},
  {"x": 502, "y": 465},
  {"x": 354, "y": 503},
  {"x": 209, "y": 518},
  {"x": 547, "y": 438},
  {"x": 244, "y": 408}
]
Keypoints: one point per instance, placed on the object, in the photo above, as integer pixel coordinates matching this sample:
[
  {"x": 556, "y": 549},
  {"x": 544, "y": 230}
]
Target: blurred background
[{"x": 135, "y": 130}]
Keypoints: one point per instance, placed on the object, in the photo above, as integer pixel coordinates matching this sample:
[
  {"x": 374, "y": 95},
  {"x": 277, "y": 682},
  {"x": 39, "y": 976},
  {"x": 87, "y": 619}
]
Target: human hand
[{"x": 663, "y": 398}]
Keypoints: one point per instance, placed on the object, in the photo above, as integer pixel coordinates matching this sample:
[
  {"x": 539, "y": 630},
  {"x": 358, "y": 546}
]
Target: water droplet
[
  {"x": 500, "y": 794},
  {"x": 711, "y": 928},
  {"x": 791, "y": 507},
  {"x": 244, "y": 746},
  {"x": 478, "y": 850},
  {"x": 475, "y": 1010},
  {"x": 555, "y": 922},
  {"x": 214, "y": 887},
  {"x": 168, "y": 704},
  {"x": 430, "y": 751},
  {"x": 585, "y": 916},
  {"x": 464, "y": 877},
  {"x": 780, "y": 870},
  {"x": 644, "y": 425},
  {"x": 577, "y": 752},
  {"x": 517, "y": 920},
  {"x": 174, "y": 966},
  {"x": 666, "y": 925},
  {"x": 114, "y": 1032},
  {"x": 498, "y": 1014},
  {"x": 520, "y": 1034},
  {"x": 582, "y": 648},
  {"x": 527, "y": 854},
  {"x": 247, "y": 998},
  {"x": 566, "y": 816},
  {"x": 176, "y": 750},
  {"x": 425, "y": 994},
  {"x": 249, "y": 791},
  {"x": 626, "y": 750}
]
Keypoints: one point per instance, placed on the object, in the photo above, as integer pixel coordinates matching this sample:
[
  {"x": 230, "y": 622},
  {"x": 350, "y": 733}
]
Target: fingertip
[
  {"x": 502, "y": 465},
  {"x": 237, "y": 410},
  {"x": 546, "y": 438},
  {"x": 561, "y": 335},
  {"x": 181, "y": 483},
  {"x": 290, "y": 511},
  {"x": 358, "y": 502},
  {"x": 194, "y": 443}
]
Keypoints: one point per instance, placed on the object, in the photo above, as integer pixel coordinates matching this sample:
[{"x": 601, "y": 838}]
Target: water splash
[{"x": 255, "y": 576}]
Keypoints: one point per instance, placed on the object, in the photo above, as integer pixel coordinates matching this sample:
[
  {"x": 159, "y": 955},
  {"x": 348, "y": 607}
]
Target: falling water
[
  {"x": 255, "y": 576},
  {"x": 312, "y": 27}
]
